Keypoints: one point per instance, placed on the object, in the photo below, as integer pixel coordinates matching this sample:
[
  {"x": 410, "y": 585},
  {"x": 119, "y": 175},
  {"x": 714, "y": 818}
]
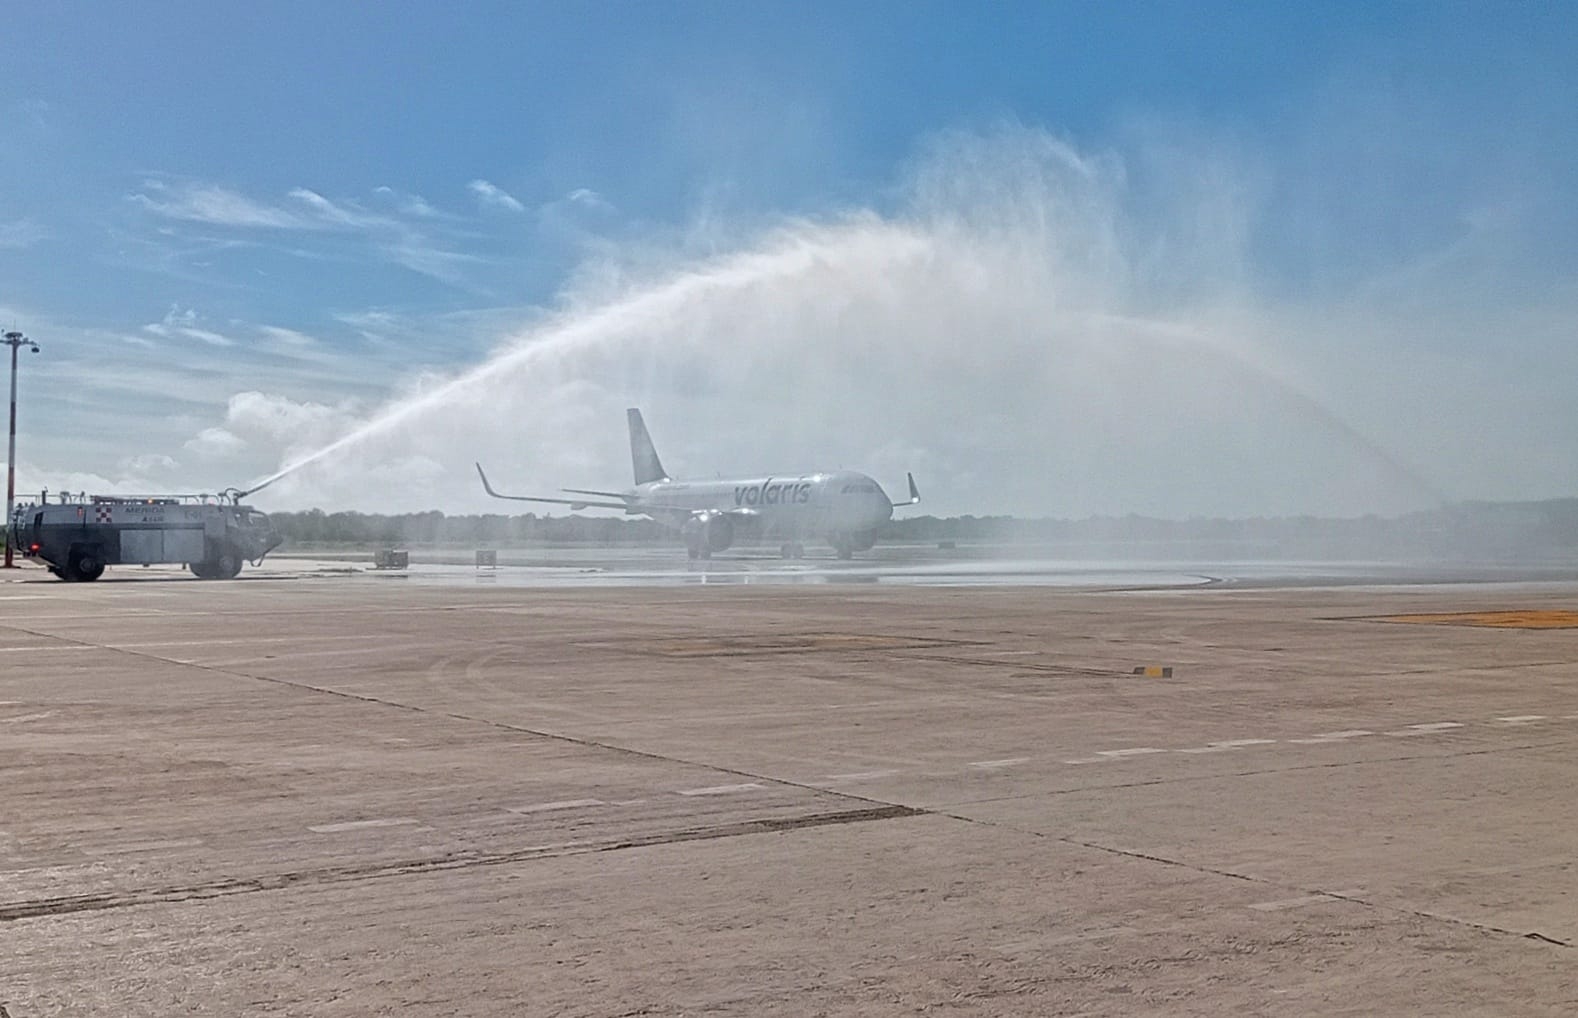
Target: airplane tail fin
[{"x": 643, "y": 456}]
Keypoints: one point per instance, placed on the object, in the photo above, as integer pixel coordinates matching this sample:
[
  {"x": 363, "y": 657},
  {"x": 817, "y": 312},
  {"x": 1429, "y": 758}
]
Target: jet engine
[
  {"x": 863, "y": 540},
  {"x": 709, "y": 532}
]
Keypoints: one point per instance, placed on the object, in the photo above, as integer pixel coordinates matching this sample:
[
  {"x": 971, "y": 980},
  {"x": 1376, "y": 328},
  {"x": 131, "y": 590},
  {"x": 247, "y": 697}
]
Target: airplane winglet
[
  {"x": 914, "y": 493},
  {"x": 486, "y": 486}
]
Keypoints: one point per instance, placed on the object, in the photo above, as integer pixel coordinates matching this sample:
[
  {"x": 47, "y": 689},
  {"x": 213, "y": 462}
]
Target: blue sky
[{"x": 239, "y": 230}]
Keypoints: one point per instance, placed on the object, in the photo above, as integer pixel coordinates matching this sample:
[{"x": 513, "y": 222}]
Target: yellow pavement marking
[{"x": 1525, "y": 619}]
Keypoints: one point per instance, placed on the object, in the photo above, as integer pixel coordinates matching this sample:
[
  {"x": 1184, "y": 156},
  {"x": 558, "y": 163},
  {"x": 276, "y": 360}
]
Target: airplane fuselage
[
  {"x": 843, "y": 506},
  {"x": 805, "y": 505}
]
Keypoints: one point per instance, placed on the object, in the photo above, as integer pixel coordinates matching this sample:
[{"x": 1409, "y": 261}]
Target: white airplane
[{"x": 844, "y": 507}]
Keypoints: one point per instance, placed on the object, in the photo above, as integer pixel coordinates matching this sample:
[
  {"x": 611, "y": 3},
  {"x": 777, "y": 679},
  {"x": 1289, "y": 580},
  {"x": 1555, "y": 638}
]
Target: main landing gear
[{"x": 792, "y": 549}]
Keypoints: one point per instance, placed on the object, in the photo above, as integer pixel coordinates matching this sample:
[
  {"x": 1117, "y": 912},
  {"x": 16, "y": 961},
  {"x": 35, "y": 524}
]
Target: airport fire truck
[{"x": 76, "y": 536}]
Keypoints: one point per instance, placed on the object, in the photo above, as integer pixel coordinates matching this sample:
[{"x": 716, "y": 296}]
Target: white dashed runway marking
[
  {"x": 1224, "y": 746},
  {"x": 548, "y": 807},
  {"x": 1430, "y": 728},
  {"x": 992, "y": 765},
  {"x": 1316, "y": 740},
  {"x": 49, "y": 649},
  {"x": 130, "y": 847},
  {"x": 722, "y": 789},
  {"x": 843, "y": 779},
  {"x": 357, "y": 825}
]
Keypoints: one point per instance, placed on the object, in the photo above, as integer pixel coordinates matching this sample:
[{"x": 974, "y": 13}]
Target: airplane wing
[
  {"x": 572, "y": 503},
  {"x": 914, "y": 493},
  {"x": 589, "y": 491}
]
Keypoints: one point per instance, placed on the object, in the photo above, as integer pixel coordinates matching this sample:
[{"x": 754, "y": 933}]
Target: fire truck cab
[{"x": 77, "y": 536}]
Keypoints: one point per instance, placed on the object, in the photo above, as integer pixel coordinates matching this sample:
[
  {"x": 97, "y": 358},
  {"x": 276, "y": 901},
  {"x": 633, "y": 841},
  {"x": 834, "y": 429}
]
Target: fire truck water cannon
[{"x": 77, "y": 535}]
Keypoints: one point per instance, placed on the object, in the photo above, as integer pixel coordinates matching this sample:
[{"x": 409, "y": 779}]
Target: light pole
[{"x": 15, "y": 340}]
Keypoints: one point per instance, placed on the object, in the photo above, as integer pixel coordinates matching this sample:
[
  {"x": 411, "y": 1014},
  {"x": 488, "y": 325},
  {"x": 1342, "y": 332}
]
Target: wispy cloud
[
  {"x": 21, "y": 233},
  {"x": 216, "y": 206},
  {"x": 410, "y": 204},
  {"x": 287, "y": 337},
  {"x": 422, "y": 245},
  {"x": 493, "y": 196},
  {"x": 417, "y": 255},
  {"x": 345, "y": 215},
  {"x": 586, "y": 198},
  {"x": 179, "y": 322}
]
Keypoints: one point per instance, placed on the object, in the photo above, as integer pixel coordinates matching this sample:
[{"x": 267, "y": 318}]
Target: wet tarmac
[{"x": 323, "y": 790}]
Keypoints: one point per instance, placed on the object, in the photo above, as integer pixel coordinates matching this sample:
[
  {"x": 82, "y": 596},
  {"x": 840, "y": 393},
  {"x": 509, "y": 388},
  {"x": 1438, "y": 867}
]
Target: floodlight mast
[{"x": 15, "y": 340}]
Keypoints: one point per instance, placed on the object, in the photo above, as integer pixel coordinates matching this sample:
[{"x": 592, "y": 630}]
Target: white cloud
[
  {"x": 184, "y": 322},
  {"x": 493, "y": 196},
  {"x": 20, "y": 234},
  {"x": 216, "y": 206},
  {"x": 587, "y": 198},
  {"x": 215, "y": 443},
  {"x": 391, "y": 238},
  {"x": 410, "y": 204},
  {"x": 282, "y": 421},
  {"x": 287, "y": 337},
  {"x": 147, "y": 463},
  {"x": 418, "y": 256}
]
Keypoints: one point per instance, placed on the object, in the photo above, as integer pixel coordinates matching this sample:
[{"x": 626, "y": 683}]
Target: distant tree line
[
  {"x": 316, "y": 527},
  {"x": 1464, "y": 530}
]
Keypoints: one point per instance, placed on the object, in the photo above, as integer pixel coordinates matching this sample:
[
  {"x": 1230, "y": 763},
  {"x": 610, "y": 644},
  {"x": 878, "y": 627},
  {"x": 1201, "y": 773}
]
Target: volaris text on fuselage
[{"x": 842, "y": 507}]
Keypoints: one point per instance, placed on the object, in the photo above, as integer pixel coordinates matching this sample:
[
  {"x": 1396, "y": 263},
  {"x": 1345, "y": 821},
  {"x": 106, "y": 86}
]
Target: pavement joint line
[
  {"x": 1352, "y": 898},
  {"x": 1288, "y": 903},
  {"x": 501, "y": 725},
  {"x": 228, "y": 886},
  {"x": 1255, "y": 772}
]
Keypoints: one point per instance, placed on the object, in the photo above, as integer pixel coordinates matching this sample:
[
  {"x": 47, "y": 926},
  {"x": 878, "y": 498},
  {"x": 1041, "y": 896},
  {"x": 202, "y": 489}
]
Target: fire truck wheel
[
  {"x": 227, "y": 566},
  {"x": 85, "y": 566}
]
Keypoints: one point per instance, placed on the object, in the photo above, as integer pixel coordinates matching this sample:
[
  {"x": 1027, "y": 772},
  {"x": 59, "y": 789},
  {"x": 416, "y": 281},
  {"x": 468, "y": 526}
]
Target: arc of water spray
[
  {"x": 1174, "y": 333},
  {"x": 795, "y": 254}
]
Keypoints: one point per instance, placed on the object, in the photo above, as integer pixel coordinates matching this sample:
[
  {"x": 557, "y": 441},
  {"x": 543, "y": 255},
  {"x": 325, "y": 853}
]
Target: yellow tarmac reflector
[
  {"x": 1531, "y": 619},
  {"x": 1155, "y": 671}
]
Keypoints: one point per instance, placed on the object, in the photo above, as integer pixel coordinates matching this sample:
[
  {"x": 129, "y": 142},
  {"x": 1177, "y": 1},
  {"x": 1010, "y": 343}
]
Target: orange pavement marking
[{"x": 1545, "y": 619}]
